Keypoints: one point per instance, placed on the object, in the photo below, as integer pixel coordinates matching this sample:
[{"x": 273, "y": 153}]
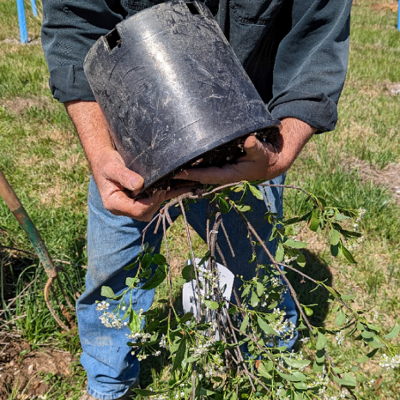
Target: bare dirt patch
[
  {"x": 22, "y": 370},
  {"x": 388, "y": 6},
  {"x": 388, "y": 177},
  {"x": 18, "y": 104}
]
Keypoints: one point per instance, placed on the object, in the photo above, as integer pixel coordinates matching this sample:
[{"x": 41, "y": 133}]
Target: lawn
[{"x": 357, "y": 165}]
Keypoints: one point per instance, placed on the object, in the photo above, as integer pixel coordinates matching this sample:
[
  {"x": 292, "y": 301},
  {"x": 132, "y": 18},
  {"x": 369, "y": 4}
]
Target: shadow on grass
[{"x": 308, "y": 294}]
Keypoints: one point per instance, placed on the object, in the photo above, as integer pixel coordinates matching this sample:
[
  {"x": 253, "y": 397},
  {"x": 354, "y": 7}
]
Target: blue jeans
[{"x": 113, "y": 243}]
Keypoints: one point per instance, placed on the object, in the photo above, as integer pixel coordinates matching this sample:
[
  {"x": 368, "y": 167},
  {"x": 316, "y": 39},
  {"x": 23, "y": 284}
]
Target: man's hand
[
  {"x": 263, "y": 161},
  {"x": 116, "y": 183}
]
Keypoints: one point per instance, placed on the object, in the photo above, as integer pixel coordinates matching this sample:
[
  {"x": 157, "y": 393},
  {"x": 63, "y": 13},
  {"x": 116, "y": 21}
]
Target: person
[{"x": 295, "y": 52}]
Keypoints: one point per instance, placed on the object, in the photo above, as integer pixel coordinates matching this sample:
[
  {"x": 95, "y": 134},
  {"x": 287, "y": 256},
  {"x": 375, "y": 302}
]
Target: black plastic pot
[{"x": 171, "y": 88}]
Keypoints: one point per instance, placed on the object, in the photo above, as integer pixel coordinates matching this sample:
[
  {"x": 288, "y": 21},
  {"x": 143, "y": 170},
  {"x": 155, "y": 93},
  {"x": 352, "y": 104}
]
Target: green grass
[{"x": 41, "y": 156}]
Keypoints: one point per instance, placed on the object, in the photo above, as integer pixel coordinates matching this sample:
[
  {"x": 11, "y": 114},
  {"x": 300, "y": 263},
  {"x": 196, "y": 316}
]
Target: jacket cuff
[
  {"x": 69, "y": 83},
  {"x": 319, "y": 111}
]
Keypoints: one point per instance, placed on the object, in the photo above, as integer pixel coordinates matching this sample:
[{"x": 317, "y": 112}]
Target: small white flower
[{"x": 339, "y": 338}]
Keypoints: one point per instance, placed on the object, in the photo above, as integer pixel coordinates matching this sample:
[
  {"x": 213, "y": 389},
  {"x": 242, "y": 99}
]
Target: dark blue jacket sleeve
[
  {"x": 70, "y": 27},
  {"x": 311, "y": 63}
]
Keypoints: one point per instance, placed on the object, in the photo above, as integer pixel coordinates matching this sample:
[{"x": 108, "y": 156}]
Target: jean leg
[
  {"x": 239, "y": 265},
  {"x": 113, "y": 243}
]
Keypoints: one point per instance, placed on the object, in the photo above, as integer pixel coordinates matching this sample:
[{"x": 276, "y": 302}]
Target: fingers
[
  {"x": 128, "y": 179},
  {"x": 142, "y": 210}
]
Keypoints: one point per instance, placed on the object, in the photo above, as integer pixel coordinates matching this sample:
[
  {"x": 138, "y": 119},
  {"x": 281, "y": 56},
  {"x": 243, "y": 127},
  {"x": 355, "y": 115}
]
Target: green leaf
[
  {"x": 393, "y": 333},
  {"x": 340, "y": 318},
  {"x": 340, "y": 217},
  {"x": 334, "y": 237},
  {"x": 256, "y": 192},
  {"x": 254, "y": 299},
  {"x": 213, "y": 305},
  {"x": 295, "y": 377},
  {"x": 362, "y": 359},
  {"x": 106, "y": 291},
  {"x": 300, "y": 260},
  {"x": 317, "y": 367},
  {"x": 320, "y": 356},
  {"x": 145, "y": 274},
  {"x": 361, "y": 378},
  {"x": 192, "y": 359},
  {"x": 158, "y": 277},
  {"x": 244, "y": 207},
  {"x": 350, "y": 378},
  {"x": 186, "y": 317},
  {"x": 135, "y": 323},
  {"x": 206, "y": 392},
  {"x": 238, "y": 188},
  {"x": 331, "y": 290},
  {"x": 130, "y": 282},
  {"x": 296, "y": 363},
  {"x": 159, "y": 259},
  {"x": 308, "y": 311},
  {"x": 335, "y": 250},
  {"x": 244, "y": 324},
  {"x": 373, "y": 327},
  {"x": 263, "y": 370},
  {"x": 146, "y": 261},
  {"x": 297, "y": 219},
  {"x": 233, "y": 310},
  {"x": 260, "y": 289},
  {"x": 152, "y": 326},
  {"x": 180, "y": 354},
  {"x": 345, "y": 382},
  {"x": 321, "y": 342},
  {"x": 315, "y": 220},
  {"x": 375, "y": 344},
  {"x": 347, "y": 253},
  {"x": 188, "y": 273},
  {"x": 265, "y": 327},
  {"x": 131, "y": 266},
  {"x": 295, "y": 244},
  {"x": 337, "y": 370},
  {"x": 280, "y": 252},
  {"x": 347, "y": 297},
  {"x": 368, "y": 334},
  {"x": 300, "y": 385},
  {"x": 223, "y": 205},
  {"x": 351, "y": 233}
]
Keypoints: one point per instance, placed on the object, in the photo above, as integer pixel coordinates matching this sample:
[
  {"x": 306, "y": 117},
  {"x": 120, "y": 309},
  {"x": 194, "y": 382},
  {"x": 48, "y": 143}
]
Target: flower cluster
[
  {"x": 140, "y": 337},
  {"x": 321, "y": 381},
  {"x": 163, "y": 342},
  {"x": 202, "y": 349},
  {"x": 339, "y": 338},
  {"x": 390, "y": 362},
  {"x": 289, "y": 260},
  {"x": 282, "y": 326},
  {"x": 110, "y": 320},
  {"x": 103, "y": 305}
]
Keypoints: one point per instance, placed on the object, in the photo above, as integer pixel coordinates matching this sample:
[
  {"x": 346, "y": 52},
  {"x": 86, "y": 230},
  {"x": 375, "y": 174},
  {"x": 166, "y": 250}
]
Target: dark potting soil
[{"x": 228, "y": 153}]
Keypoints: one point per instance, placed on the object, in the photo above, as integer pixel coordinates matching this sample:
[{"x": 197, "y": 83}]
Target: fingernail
[{"x": 135, "y": 182}]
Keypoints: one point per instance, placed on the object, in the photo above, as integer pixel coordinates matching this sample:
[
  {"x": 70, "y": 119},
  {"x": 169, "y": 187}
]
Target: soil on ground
[
  {"x": 23, "y": 370},
  {"x": 389, "y": 177}
]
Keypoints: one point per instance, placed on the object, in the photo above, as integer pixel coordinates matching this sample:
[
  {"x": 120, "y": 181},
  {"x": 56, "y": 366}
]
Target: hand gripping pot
[{"x": 171, "y": 88}]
